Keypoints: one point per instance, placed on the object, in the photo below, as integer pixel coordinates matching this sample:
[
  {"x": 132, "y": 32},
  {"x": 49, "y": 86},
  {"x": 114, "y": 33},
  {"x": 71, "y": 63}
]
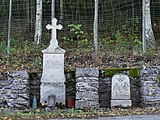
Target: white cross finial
[{"x": 54, "y": 27}]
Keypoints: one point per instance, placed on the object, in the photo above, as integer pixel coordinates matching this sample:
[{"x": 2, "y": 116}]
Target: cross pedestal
[{"x": 53, "y": 78}]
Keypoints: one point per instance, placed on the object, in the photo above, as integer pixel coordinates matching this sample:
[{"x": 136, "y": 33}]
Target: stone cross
[{"x": 54, "y": 27}]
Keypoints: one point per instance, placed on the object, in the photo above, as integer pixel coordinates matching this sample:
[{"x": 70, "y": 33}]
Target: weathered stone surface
[
  {"x": 121, "y": 103},
  {"x": 87, "y": 88},
  {"x": 120, "y": 87},
  {"x": 12, "y": 90},
  {"x": 85, "y": 72},
  {"x": 58, "y": 89},
  {"x": 150, "y": 88},
  {"x": 18, "y": 74},
  {"x": 53, "y": 43},
  {"x": 86, "y": 104},
  {"x": 53, "y": 77},
  {"x": 120, "y": 90},
  {"x": 53, "y": 68}
]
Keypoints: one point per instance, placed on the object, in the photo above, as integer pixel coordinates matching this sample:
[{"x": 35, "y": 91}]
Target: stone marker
[
  {"x": 53, "y": 77},
  {"x": 120, "y": 91}
]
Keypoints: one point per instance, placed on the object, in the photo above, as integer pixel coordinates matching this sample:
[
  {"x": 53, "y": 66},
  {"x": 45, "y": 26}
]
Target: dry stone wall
[
  {"x": 150, "y": 85},
  {"x": 87, "y": 84},
  {"x": 14, "y": 92}
]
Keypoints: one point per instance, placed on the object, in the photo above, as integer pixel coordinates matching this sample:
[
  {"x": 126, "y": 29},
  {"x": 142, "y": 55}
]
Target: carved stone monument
[
  {"x": 53, "y": 78},
  {"x": 120, "y": 91}
]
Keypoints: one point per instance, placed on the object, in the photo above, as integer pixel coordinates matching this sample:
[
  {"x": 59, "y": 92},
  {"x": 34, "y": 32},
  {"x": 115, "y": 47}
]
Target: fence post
[
  {"x": 9, "y": 27},
  {"x": 96, "y": 27},
  {"x": 143, "y": 27},
  {"x": 53, "y": 9}
]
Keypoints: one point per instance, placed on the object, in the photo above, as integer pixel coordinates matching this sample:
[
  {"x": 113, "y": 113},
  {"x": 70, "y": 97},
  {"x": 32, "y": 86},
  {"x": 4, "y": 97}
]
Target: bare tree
[
  {"x": 9, "y": 27},
  {"x": 148, "y": 35},
  {"x": 38, "y": 25},
  {"x": 96, "y": 27}
]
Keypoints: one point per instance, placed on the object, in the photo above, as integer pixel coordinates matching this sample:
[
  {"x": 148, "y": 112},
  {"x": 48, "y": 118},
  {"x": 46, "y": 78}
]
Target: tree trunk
[
  {"x": 96, "y": 27},
  {"x": 38, "y": 25},
  {"x": 149, "y": 39},
  {"x": 9, "y": 27}
]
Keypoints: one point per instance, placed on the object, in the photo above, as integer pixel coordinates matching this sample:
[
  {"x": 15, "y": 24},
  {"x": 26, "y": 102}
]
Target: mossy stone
[
  {"x": 158, "y": 79},
  {"x": 133, "y": 72}
]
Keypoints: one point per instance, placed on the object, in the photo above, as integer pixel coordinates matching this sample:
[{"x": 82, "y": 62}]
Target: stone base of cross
[{"x": 54, "y": 43}]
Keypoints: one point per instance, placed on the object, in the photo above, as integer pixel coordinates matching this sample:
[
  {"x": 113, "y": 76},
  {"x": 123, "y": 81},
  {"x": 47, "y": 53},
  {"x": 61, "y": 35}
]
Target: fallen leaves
[{"x": 74, "y": 113}]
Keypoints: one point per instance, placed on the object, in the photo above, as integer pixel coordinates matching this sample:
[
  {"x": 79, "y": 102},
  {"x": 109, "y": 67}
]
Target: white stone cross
[{"x": 54, "y": 27}]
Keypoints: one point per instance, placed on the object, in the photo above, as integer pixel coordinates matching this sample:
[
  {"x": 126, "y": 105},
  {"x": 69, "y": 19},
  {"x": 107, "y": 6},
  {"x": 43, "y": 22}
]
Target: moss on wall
[
  {"x": 133, "y": 72},
  {"x": 158, "y": 79}
]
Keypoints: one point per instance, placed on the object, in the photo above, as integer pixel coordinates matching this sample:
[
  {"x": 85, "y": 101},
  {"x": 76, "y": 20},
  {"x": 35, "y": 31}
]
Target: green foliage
[
  {"x": 134, "y": 72},
  {"x": 3, "y": 47},
  {"x": 75, "y": 32},
  {"x": 137, "y": 82},
  {"x": 133, "y": 33},
  {"x": 109, "y": 72},
  {"x": 37, "y": 62},
  {"x": 85, "y": 43},
  {"x": 158, "y": 80},
  {"x": 126, "y": 39},
  {"x": 23, "y": 55},
  {"x": 78, "y": 37}
]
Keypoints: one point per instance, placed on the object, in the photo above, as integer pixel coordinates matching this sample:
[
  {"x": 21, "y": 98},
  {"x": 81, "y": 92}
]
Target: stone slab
[
  {"x": 57, "y": 88},
  {"x": 53, "y": 68},
  {"x": 85, "y": 104},
  {"x": 120, "y": 88},
  {"x": 23, "y": 74},
  {"x": 85, "y": 72},
  {"x": 121, "y": 103}
]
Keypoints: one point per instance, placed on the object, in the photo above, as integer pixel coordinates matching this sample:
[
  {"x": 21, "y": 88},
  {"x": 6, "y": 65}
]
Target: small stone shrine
[
  {"x": 120, "y": 91},
  {"x": 87, "y": 84},
  {"x": 53, "y": 77}
]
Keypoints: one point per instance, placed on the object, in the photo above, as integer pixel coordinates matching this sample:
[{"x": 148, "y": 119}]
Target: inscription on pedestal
[
  {"x": 58, "y": 89},
  {"x": 53, "y": 77},
  {"x": 53, "y": 68}
]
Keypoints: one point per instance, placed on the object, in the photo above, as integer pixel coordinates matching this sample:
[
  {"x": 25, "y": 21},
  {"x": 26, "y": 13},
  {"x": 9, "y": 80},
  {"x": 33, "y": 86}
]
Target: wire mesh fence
[
  {"x": 22, "y": 20},
  {"x": 120, "y": 22}
]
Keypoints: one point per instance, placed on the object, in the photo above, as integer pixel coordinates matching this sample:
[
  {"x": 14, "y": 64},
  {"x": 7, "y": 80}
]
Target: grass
[{"x": 74, "y": 113}]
